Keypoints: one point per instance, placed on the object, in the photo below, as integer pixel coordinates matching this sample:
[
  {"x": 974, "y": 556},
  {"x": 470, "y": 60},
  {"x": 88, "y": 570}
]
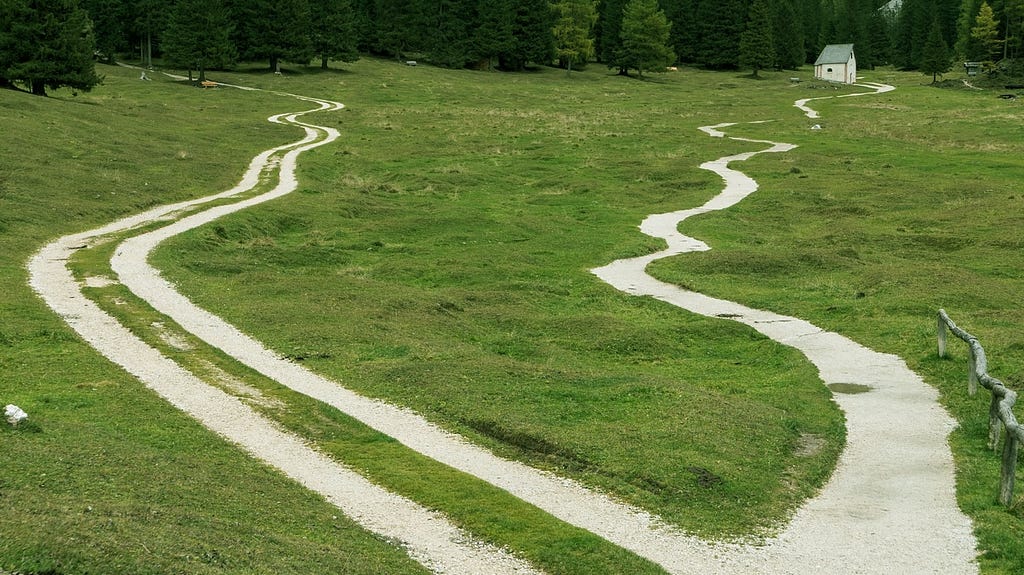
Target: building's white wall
[
  {"x": 845, "y": 73},
  {"x": 831, "y": 72}
]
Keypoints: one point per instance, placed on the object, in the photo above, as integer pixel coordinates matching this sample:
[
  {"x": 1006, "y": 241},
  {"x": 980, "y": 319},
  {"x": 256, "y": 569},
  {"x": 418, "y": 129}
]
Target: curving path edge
[
  {"x": 427, "y": 536},
  {"x": 890, "y": 506},
  {"x": 875, "y": 531}
]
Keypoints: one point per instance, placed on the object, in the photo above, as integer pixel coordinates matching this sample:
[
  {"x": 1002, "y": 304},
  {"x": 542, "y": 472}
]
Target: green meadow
[{"x": 437, "y": 256}]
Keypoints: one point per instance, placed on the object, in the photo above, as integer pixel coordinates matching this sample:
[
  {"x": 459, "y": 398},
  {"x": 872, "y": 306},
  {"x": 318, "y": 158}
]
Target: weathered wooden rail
[{"x": 1000, "y": 410}]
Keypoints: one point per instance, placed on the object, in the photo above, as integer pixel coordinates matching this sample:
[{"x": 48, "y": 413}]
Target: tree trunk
[
  {"x": 323, "y": 62},
  {"x": 1009, "y": 468},
  {"x": 38, "y": 87},
  {"x": 275, "y": 65},
  {"x": 202, "y": 73}
]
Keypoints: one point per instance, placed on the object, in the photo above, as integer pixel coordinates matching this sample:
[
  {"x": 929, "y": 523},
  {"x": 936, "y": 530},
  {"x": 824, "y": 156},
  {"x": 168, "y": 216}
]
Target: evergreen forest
[{"x": 37, "y": 36}]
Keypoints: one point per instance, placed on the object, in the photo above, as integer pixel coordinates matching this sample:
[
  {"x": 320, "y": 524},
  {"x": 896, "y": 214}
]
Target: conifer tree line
[{"x": 50, "y": 43}]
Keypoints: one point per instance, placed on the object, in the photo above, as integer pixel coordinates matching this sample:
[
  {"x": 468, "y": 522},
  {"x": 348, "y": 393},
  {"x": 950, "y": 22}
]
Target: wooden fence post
[
  {"x": 972, "y": 373},
  {"x": 942, "y": 335},
  {"x": 995, "y": 423},
  {"x": 1009, "y": 468},
  {"x": 1000, "y": 411}
]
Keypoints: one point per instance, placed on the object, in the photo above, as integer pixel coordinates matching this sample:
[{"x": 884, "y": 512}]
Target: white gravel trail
[
  {"x": 812, "y": 113},
  {"x": 890, "y": 506},
  {"x": 427, "y": 536},
  {"x": 858, "y": 525}
]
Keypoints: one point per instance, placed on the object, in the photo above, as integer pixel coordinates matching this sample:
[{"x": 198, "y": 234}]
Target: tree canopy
[
  {"x": 533, "y": 39},
  {"x": 787, "y": 35},
  {"x": 333, "y": 32},
  {"x": 757, "y": 50},
  {"x": 198, "y": 36},
  {"x": 985, "y": 42},
  {"x": 492, "y": 35},
  {"x": 574, "y": 20},
  {"x": 645, "y": 36},
  {"x": 720, "y": 23},
  {"x": 609, "y": 31},
  {"x": 47, "y": 44},
  {"x": 273, "y": 30},
  {"x": 1013, "y": 16},
  {"x": 935, "y": 58},
  {"x": 510, "y": 35}
]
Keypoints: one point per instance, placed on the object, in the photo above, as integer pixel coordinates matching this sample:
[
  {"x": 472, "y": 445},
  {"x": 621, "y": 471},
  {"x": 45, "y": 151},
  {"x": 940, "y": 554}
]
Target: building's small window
[{"x": 830, "y": 70}]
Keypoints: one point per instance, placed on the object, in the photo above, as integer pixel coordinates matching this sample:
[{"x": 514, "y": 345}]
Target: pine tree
[
  {"x": 47, "y": 44},
  {"x": 912, "y": 31},
  {"x": 965, "y": 47},
  {"x": 609, "y": 32},
  {"x": 198, "y": 36},
  {"x": 493, "y": 31},
  {"x": 757, "y": 49},
  {"x": 109, "y": 21},
  {"x": 683, "y": 36},
  {"x": 366, "y": 24},
  {"x": 333, "y": 32},
  {"x": 985, "y": 35},
  {"x": 448, "y": 43},
  {"x": 645, "y": 32},
  {"x": 828, "y": 27},
  {"x": 947, "y": 12},
  {"x": 273, "y": 30},
  {"x": 935, "y": 58},
  {"x": 1013, "y": 38},
  {"x": 720, "y": 24},
  {"x": 401, "y": 27},
  {"x": 146, "y": 20},
  {"x": 812, "y": 18},
  {"x": 14, "y": 17},
  {"x": 532, "y": 38},
  {"x": 788, "y": 36},
  {"x": 574, "y": 21},
  {"x": 852, "y": 19},
  {"x": 880, "y": 39}
]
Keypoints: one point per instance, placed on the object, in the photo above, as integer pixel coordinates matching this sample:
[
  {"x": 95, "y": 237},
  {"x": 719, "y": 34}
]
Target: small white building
[{"x": 836, "y": 64}]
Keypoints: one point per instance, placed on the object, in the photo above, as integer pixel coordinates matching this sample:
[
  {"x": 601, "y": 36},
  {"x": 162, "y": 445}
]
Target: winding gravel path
[
  {"x": 427, "y": 536},
  {"x": 889, "y": 507}
]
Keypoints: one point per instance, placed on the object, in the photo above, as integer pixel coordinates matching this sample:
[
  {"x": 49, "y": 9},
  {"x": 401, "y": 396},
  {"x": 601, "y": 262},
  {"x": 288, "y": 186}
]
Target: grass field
[{"x": 438, "y": 257}]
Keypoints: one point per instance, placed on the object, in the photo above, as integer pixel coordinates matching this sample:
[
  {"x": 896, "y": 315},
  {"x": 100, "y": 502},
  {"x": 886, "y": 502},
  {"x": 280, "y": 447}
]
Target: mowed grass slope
[
  {"x": 903, "y": 204},
  {"x": 105, "y": 477},
  {"x": 438, "y": 257}
]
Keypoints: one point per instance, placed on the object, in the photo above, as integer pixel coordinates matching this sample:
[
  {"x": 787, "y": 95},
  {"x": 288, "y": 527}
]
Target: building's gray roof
[{"x": 835, "y": 54}]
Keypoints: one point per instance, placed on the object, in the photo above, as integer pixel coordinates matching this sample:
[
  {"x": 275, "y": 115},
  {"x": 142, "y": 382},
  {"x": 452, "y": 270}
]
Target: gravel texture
[
  {"x": 889, "y": 507},
  {"x": 427, "y": 536}
]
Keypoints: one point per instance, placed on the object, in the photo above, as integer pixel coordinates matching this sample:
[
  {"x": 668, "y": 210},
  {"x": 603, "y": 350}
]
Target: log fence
[{"x": 1000, "y": 411}]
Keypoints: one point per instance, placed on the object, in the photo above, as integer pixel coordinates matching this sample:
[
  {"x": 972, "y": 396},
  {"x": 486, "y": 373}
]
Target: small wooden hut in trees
[{"x": 836, "y": 64}]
